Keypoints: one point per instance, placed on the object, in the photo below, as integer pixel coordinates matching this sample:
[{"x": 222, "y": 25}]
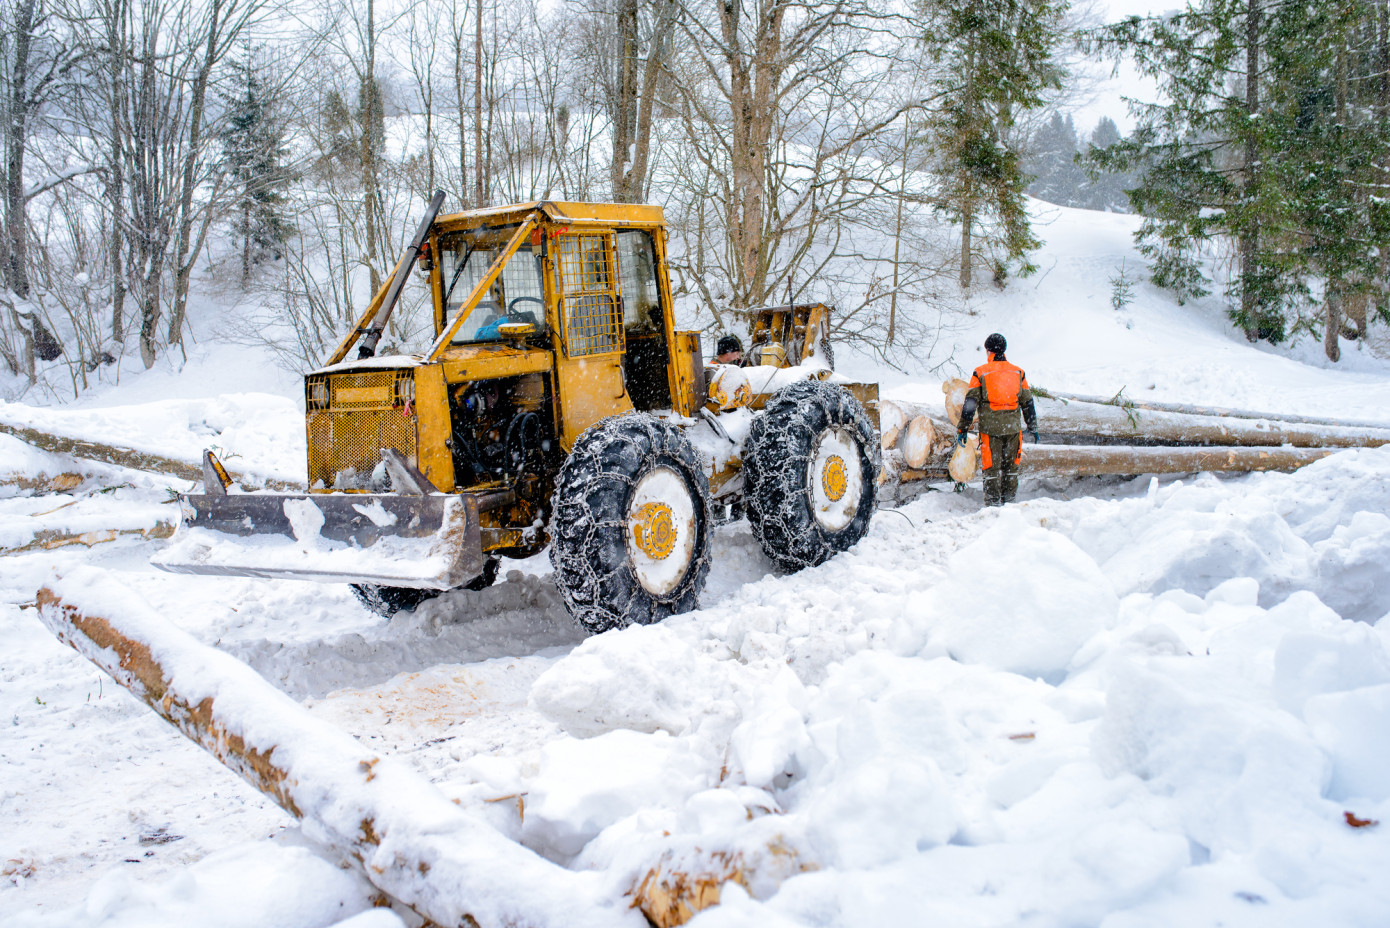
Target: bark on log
[
  {"x": 1095, "y": 460},
  {"x": 1086, "y": 423},
  {"x": 412, "y": 842},
  {"x": 127, "y": 457},
  {"x": 1219, "y": 411}
]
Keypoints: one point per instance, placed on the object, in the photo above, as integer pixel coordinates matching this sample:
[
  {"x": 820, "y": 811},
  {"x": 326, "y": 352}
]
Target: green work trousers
[{"x": 999, "y": 459}]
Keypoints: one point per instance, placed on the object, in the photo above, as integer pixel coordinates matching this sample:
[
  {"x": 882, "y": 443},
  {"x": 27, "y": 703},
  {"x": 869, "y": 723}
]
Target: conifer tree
[
  {"x": 253, "y": 155},
  {"x": 1051, "y": 162},
  {"x": 1105, "y": 191},
  {"x": 1272, "y": 138},
  {"x": 1203, "y": 152},
  {"x": 997, "y": 59}
]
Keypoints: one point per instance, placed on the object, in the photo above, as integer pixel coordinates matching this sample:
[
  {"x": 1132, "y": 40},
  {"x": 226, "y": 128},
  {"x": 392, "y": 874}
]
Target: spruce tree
[
  {"x": 1272, "y": 139},
  {"x": 996, "y": 59},
  {"x": 1202, "y": 151},
  {"x": 1105, "y": 191},
  {"x": 253, "y": 156},
  {"x": 1051, "y": 163}
]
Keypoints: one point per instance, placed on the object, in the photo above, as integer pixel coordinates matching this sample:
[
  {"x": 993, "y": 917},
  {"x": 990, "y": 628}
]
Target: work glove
[
  {"x": 1034, "y": 433},
  {"x": 960, "y": 437}
]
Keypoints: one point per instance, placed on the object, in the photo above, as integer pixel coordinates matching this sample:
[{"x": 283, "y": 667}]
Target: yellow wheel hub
[
  {"x": 653, "y": 531},
  {"x": 833, "y": 478}
]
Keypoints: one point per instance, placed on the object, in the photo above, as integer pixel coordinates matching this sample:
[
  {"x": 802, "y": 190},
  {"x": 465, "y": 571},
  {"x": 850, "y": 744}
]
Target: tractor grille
[{"x": 351, "y": 417}]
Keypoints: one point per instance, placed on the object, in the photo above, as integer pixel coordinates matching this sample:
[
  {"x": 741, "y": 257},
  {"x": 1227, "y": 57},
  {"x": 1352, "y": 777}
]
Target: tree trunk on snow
[
  {"x": 1332, "y": 331},
  {"x": 182, "y": 260},
  {"x": 1248, "y": 240},
  {"x": 16, "y": 141},
  {"x": 1094, "y": 461},
  {"x": 447, "y": 865}
]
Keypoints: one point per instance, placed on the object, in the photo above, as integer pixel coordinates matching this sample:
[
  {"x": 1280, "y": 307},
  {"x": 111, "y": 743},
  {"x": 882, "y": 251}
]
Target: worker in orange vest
[{"x": 999, "y": 390}]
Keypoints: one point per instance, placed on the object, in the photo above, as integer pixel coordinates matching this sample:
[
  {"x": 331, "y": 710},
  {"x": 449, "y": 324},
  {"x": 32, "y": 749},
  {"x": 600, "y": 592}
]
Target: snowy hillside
[{"x": 1142, "y": 702}]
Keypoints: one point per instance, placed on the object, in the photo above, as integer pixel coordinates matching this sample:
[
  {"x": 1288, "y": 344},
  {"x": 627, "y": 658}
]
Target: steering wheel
[{"x": 523, "y": 299}]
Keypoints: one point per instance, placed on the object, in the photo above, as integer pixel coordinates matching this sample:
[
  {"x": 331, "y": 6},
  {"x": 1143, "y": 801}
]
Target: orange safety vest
[{"x": 1002, "y": 383}]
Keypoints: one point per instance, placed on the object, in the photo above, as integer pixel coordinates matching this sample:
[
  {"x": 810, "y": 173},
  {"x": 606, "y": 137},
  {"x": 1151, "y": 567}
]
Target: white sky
[{"x": 1107, "y": 98}]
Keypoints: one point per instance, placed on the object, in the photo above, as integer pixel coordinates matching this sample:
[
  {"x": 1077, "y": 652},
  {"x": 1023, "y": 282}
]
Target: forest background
[{"x": 268, "y": 157}]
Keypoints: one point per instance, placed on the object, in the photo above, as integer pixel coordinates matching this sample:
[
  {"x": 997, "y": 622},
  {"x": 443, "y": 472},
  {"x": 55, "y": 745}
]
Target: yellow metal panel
[
  {"x": 432, "y": 412},
  {"x": 867, "y": 395},
  {"x": 362, "y": 396},
  {"x": 589, "y": 373},
  {"x": 349, "y": 435},
  {"x": 558, "y": 213},
  {"x": 588, "y": 390},
  {"x": 486, "y": 362},
  {"x": 687, "y": 374}
]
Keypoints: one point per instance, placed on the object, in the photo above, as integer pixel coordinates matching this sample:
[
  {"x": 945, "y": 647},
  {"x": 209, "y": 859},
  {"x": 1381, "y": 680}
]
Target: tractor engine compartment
[{"x": 503, "y": 435}]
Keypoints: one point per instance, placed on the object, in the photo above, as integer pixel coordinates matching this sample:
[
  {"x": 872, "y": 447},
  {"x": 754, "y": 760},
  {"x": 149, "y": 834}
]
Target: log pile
[{"x": 1090, "y": 436}]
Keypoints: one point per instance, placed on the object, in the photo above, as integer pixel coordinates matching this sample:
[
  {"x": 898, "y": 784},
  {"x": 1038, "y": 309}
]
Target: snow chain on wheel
[
  {"x": 809, "y": 469},
  {"x": 629, "y": 538}
]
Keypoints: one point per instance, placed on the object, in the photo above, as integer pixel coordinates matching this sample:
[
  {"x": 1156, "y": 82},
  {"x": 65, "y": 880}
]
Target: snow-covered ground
[{"x": 1118, "y": 702}]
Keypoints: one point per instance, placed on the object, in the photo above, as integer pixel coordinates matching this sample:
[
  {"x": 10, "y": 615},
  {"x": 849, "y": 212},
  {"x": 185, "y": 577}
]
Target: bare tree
[
  {"x": 34, "y": 58},
  {"x": 779, "y": 103}
]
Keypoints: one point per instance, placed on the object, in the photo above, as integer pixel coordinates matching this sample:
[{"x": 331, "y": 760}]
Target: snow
[{"x": 1117, "y": 702}]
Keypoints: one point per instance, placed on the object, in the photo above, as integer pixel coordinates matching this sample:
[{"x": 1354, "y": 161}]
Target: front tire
[
  {"x": 810, "y": 466},
  {"x": 630, "y": 531}
]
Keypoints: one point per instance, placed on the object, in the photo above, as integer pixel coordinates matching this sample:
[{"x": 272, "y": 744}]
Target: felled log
[
  {"x": 412, "y": 843},
  {"x": 1078, "y": 422},
  {"x": 48, "y": 539},
  {"x": 1094, "y": 460},
  {"x": 1219, "y": 411},
  {"x": 125, "y": 457}
]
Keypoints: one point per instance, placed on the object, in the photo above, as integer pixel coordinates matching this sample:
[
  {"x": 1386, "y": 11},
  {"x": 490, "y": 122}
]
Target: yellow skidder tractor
[{"x": 558, "y": 405}]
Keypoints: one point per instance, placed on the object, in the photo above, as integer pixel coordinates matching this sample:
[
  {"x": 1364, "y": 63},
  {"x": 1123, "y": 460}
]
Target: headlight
[
  {"x": 405, "y": 390},
  {"x": 318, "y": 395}
]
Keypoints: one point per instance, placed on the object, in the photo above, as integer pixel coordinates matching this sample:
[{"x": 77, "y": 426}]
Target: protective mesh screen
[
  {"x": 351, "y": 417},
  {"x": 593, "y": 323}
]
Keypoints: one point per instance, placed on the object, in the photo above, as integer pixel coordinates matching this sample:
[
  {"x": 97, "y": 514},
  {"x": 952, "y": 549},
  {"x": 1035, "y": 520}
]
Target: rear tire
[
  {"x": 810, "y": 466},
  {"x": 630, "y": 531}
]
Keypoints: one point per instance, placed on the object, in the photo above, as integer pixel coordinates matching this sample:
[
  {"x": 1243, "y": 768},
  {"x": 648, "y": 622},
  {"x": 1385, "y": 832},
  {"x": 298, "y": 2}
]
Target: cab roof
[{"x": 557, "y": 212}]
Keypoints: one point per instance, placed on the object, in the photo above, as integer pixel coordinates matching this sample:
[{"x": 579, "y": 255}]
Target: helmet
[
  {"x": 996, "y": 344},
  {"x": 728, "y": 343}
]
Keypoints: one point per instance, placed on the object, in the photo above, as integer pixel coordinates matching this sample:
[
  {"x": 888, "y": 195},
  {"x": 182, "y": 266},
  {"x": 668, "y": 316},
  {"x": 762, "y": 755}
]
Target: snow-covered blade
[{"x": 426, "y": 542}]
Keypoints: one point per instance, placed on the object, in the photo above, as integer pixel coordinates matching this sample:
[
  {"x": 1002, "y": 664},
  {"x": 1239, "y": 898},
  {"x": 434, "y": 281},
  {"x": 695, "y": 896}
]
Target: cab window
[{"x": 516, "y": 296}]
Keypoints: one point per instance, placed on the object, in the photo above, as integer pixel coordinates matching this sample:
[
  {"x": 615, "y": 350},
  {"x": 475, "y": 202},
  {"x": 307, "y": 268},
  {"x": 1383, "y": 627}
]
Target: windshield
[{"x": 516, "y": 296}]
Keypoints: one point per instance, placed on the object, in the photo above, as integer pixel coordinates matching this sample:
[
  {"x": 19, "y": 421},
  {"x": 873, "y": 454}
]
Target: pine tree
[
  {"x": 1051, "y": 162},
  {"x": 1331, "y": 141},
  {"x": 1105, "y": 191},
  {"x": 1263, "y": 143},
  {"x": 996, "y": 60},
  {"x": 253, "y": 155},
  {"x": 1202, "y": 150}
]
